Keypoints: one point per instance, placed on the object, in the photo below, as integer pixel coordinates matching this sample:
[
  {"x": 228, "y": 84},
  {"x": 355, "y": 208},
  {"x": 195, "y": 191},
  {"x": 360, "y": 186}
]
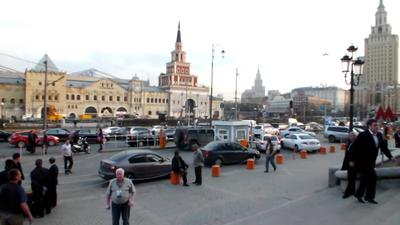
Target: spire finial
[
  {"x": 178, "y": 37},
  {"x": 381, "y": 4}
]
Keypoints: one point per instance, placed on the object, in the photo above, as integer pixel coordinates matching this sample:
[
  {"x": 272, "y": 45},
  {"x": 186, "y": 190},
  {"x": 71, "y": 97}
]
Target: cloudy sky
[{"x": 286, "y": 39}]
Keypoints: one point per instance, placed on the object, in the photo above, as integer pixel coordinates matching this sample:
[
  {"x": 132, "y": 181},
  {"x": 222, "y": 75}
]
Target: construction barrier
[
  {"x": 251, "y": 164},
  {"x": 216, "y": 171},
  {"x": 244, "y": 143},
  {"x": 303, "y": 154},
  {"x": 332, "y": 149},
  {"x": 162, "y": 141},
  {"x": 174, "y": 179},
  {"x": 343, "y": 146},
  {"x": 280, "y": 159},
  {"x": 322, "y": 150}
]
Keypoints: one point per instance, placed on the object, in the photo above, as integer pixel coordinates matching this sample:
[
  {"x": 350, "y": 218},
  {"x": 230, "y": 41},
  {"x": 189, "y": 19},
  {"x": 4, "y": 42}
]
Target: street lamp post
[
  {"x": 355, "y": 67},
  {"x": 212, "y": 77}
]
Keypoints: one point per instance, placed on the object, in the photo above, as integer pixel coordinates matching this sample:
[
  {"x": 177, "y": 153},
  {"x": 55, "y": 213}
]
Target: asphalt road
[{"x": 296, "y": 193}]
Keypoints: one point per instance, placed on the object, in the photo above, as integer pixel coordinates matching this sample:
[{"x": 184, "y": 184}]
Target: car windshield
[
  {"x": 305, "y": 137},
  {"x": 257, "y": 127}
]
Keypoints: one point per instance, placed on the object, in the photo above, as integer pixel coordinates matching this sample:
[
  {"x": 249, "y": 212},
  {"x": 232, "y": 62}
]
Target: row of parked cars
[{"x": 54, "y": 136}]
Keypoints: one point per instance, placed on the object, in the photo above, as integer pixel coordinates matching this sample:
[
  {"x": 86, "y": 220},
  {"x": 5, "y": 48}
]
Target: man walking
[
  {"x": 179, "y": 167},
  {"x": 363, "y": 159},
  {"x": 67, "y": 154},
  {"x": 198, "y": 163},
  {"x": 121, "y": 196},
  {"x": 53, "y": 182},
  {"x": 32, "y": 136},
  {"x": 13, "y": 202}
]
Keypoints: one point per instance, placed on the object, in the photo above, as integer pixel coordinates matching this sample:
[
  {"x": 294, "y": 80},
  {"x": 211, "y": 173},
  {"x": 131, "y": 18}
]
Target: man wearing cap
[{"x": 198, "y": 163}]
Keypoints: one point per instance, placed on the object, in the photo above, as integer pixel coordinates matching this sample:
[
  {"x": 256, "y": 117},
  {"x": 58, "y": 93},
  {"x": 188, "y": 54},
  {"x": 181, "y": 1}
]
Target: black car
[
  {"x": 4, "y": 135},
  {"x": 138, "y": 165},
  {"x": 61, "y": 133},
  {"x": 91, "y": 136},
  {"x": 226, "y": 152},
  {"x": 185, "y": 137}
]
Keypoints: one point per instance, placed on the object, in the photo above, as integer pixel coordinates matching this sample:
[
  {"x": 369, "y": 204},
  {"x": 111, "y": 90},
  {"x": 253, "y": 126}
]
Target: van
[{"x": 185, "y": 137}]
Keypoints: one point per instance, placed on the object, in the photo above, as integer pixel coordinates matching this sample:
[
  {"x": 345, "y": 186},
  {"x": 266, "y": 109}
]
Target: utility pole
[
  {"x": 45, "y": 108},
  {"x": 236, "y": 105}
]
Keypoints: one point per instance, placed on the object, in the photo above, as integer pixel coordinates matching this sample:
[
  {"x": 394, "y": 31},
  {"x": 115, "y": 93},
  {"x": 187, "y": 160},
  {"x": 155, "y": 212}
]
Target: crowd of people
[{"x": 15, "y": 202}]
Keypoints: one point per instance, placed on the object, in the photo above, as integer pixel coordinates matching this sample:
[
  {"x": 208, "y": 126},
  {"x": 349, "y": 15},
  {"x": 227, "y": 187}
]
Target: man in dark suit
[
  {"x": 39, "y": 185},
  {"x": 179, "y": 167},
  {"x": 351, "y": 171},
  {"x": 363, "y": 157},
  {"x": 53, "y": 182}
]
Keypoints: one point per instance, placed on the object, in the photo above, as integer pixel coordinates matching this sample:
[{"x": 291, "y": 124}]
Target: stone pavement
[{"x": 296, "y": 193}]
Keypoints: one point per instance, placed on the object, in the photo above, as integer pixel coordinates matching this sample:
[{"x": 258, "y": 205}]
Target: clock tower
[{"x": 187, "y": 99}]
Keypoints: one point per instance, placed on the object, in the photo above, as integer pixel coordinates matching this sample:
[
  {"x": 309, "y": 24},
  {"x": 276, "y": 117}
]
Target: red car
[{"x": 20, "y": 139}]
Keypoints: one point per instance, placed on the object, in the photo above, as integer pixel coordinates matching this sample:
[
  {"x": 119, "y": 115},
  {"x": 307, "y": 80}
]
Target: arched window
[
  {"x": 12, "y": 101},
  {"x": 87, "y": 97},
  {"x": 118, "y": 98},
  {"x": 78, "y": 97},
  {"x": 103, "y": 98},
  {"x": 151, "y": 100},
  {"x": 95, "y": 97},
  {"x": 72, "y": 97},
  {"x": 110, "y": 98},
  {"x": 149, "y": 113},
  {"x": 125, "y": 98},
  {"x": 67, "y": 97},
  {"x": 21, "y": 101}
]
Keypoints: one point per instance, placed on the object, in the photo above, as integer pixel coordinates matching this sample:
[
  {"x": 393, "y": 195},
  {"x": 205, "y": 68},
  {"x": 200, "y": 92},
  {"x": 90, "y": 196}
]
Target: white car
[
  {"x": 296, "y": 130},
  {"x": 262, "y": 142},
  {"x": 108, "y": 130},
  {"x": 301, "y": 141}
]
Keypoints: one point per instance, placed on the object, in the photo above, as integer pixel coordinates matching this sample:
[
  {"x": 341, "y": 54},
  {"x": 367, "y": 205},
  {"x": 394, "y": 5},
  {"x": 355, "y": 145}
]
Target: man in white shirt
[{"x": 67, "y": 154}]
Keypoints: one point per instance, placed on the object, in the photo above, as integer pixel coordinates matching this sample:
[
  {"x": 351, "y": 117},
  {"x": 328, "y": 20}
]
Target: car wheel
[
  {"x": 52, "y": 143},
  {"x": 20, "y": 144},
  {"x": 218, "y": 162},
  {"x": 332, "y": 139}
]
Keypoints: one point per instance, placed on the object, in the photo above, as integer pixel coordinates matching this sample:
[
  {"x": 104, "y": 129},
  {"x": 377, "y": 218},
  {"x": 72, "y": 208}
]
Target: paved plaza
[{"x": 297, "y": 193}]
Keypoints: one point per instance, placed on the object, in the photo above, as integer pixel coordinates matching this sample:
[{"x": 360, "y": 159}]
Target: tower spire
[
  {"x": 381, "y": 4},
  {"x": 178, "y": 37}
]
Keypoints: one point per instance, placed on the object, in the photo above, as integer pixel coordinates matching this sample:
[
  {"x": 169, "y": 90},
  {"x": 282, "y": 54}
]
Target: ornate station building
[{"x": 92, "y": 92}]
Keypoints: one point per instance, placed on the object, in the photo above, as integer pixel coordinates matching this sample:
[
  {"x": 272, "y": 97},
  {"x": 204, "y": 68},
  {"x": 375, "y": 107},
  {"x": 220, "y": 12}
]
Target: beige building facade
[{"x": 102, "y": 95}]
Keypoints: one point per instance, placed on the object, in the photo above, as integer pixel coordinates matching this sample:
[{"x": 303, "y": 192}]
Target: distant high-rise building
[
  {"x": 380, "y": 79},
  {"x": 257, "y": 93}
]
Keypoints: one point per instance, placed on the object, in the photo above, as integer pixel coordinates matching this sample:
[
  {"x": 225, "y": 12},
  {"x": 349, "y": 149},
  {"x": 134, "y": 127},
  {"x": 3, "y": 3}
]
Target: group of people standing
[
  {"x": 360, "y": 157},
  {"x": 180, "y": 167},
  {"x": 15, "y": 203}
]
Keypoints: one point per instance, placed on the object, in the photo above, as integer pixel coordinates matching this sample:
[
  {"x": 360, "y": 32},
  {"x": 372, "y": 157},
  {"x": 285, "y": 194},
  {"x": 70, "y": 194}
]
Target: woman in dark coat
[{"x": 179, "y": 167}]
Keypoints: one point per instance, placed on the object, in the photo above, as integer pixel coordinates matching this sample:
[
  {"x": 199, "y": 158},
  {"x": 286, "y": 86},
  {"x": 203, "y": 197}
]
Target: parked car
[
  {"x": 62, "y": 133},
  {"x": 185, "y": 137},
  {"x": 169, "y": 133},
  {"x": 155, "y": 130},
  {"x": 20, "y": 139},
  {"x": 294, "y": 130},
  {"x": 337, "y": 133},
  {"x": 138, "y": 165},
  {"x": 140, "y": 136},
  {"x": 227, "y": 152},
  {"x": 119, "y": 134},
  {"x": 108, "y": 130},
  {"x": 300, "y": 141},
  {"x": 262, "y": 142},
  {"x": 4, "y": 135},
  {"x": 90, "y": 135}
]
